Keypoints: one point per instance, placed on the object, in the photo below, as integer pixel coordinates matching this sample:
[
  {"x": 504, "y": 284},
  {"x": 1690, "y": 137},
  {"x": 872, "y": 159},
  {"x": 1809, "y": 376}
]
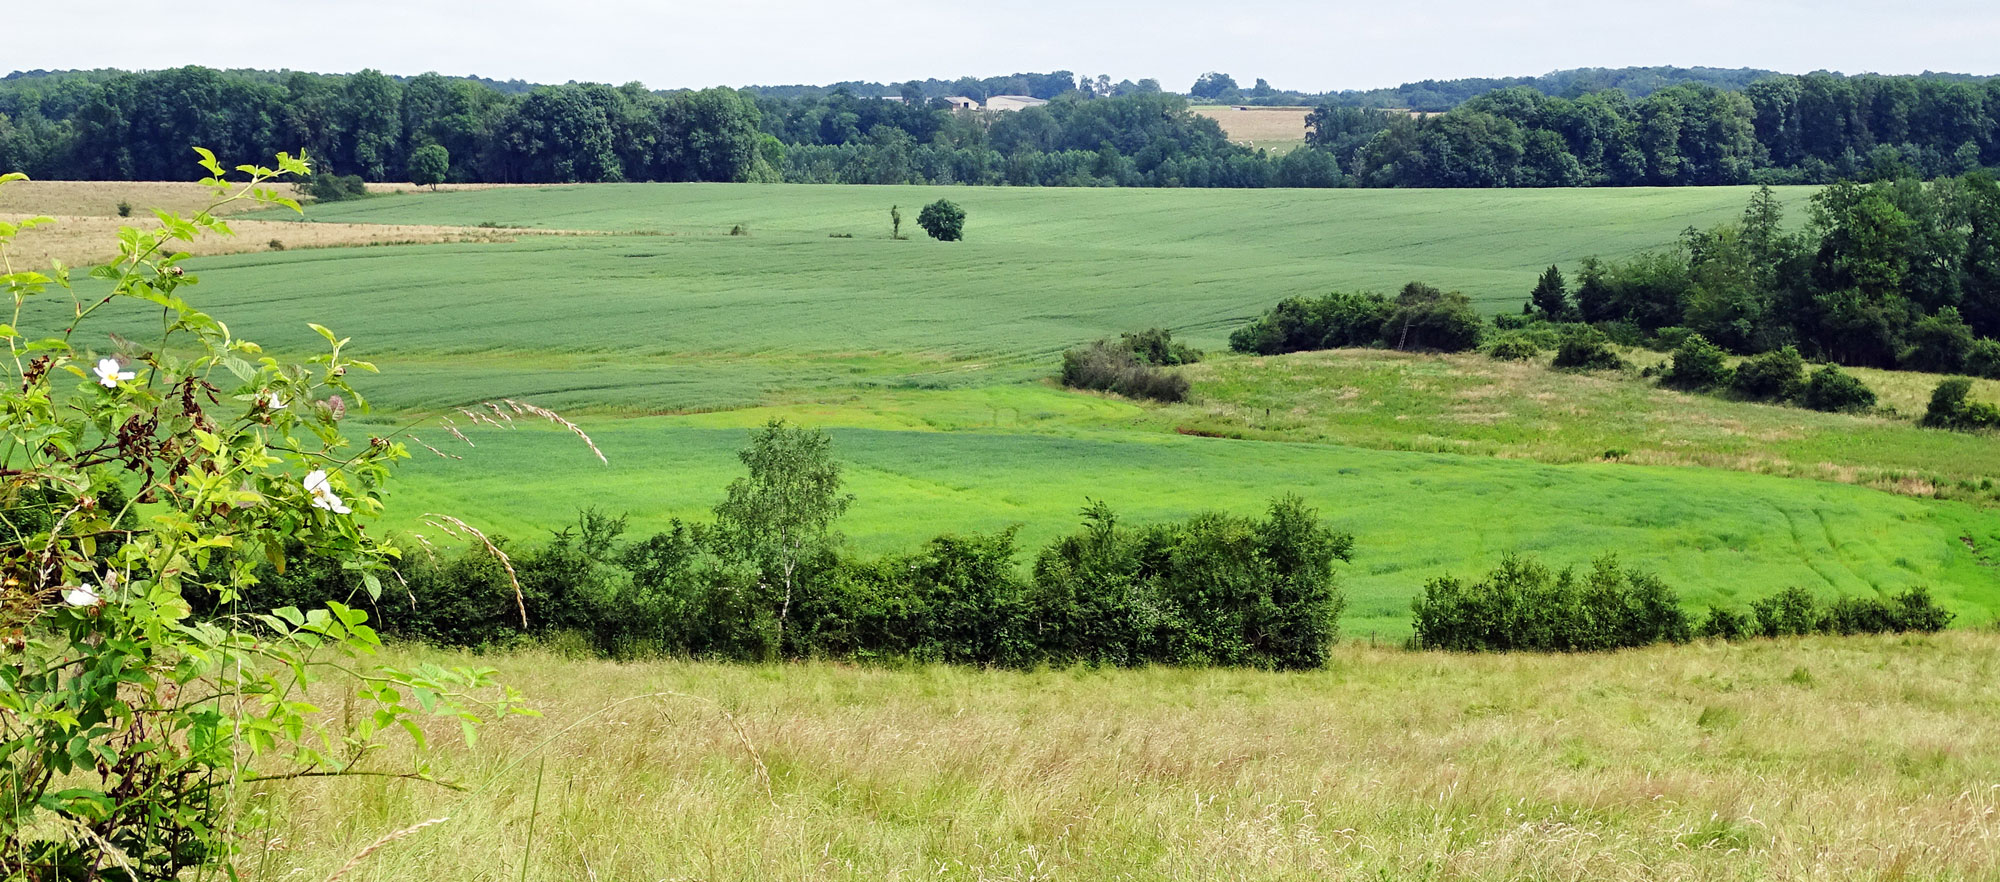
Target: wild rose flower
[
  {"x": 109, "y": 375},
  {"x": 272, "y": 402},
  {"x": 321, "y": 490},
  {"x": 82, "y": 596}
]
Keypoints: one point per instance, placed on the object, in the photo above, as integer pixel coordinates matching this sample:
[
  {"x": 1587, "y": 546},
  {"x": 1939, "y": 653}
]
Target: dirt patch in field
[
  {"x": 87, "y": 240},
  {"x": 101, "y": 198}
]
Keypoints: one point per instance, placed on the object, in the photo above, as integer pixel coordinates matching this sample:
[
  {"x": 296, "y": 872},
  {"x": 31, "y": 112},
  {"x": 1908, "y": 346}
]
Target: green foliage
[
  {"x": 1428, "y": 319},
  {"x": 119, "y": 756},
  {"x": 1796, "y": 612},
  {"x": 1724, "y": 623},
  {"x": 895, "y": 222},
  {"x": 1939, "y": 343},
  {"x": 124, "y": 208},
  {"x": 1550, "y": 299},
  {"x": 1119, "y": 368},
  {"x": 1778, "y": 375},
  {"x": 1698, "y": 365},
  {"x": 781, "y": 514},
  {"x": 1586, "y": 349},
  {"x": 1299, "y": 324},
  {"x": 943, "y": 220},
  {"x": 1157, "y": 346},
  {"x": 1210, "y": 590},
  {"x": 1833, "y": 390},
  {"x": 1949, "y": 408},
  {"x": 430, "y": 165},
  {"x": 335, "y": 188},
  {"x": 1514, "y": 347},
  {"x": 1522, "y": 605}
]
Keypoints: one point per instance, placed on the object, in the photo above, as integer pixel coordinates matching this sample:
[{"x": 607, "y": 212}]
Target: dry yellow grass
[
  {"x": 86, "y": 240},
  {"x": 1825, "y": 758},
  {"x": 1270, "y": 127},
  {"x": 101, "y": 198}
]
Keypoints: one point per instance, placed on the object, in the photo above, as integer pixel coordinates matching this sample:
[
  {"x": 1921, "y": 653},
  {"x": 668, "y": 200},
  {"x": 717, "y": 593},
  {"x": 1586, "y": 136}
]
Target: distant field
[
  {"x": 1278, "y": 129},
  {"x": 1865, "y": 758},
  {"x": 691, "y": 318}
]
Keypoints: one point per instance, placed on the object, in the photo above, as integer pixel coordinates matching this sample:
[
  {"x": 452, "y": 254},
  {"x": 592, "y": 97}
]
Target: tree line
[
  {"x": 1781, "y": 129},
  {"x": 1777, "y": 129}
]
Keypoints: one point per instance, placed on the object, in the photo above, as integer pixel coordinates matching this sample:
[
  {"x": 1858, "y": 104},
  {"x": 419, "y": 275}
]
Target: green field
[{"x": 669, "y": 337}]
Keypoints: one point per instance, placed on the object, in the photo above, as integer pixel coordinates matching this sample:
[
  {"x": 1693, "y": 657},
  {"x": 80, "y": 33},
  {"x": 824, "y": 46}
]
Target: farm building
[
  {"x": 1013, "y": 102},
  {"x": 960, "y": 102}
]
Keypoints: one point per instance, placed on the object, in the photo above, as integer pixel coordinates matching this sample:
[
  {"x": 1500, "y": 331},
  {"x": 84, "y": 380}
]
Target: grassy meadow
[{"x": 1861, "y": 758}]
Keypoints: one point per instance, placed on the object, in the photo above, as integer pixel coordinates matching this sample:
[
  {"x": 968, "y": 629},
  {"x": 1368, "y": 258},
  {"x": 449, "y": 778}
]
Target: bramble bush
[{"x": 141, "y": 483}]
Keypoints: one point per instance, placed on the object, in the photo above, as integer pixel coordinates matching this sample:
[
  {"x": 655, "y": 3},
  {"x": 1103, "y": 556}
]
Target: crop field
[
  {"x": 1860, "y": 758},
  {"x": 669, "y": 338},
  {"x": 1277, "y": 129}
]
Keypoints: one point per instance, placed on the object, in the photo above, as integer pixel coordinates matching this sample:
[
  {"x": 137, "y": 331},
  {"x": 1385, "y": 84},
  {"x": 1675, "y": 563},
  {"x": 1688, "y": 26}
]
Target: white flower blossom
[
  {"x": 272, "y": 402},
  {"x": 108, "y": 373},
  {"x": 82, "y": 595},
  {"x": 321, "y": 490}
]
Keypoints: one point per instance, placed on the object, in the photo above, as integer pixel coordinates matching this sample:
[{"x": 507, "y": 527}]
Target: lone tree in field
[
  {"x": 1551, "y": 296},
  {"x": 944, "y": 220},
  {"x": 783, "y": 511},
  {"x": 429, "y": 165},
  {"x": 895, "y": 222}
]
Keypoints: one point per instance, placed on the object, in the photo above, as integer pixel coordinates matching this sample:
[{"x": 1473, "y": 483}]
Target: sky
[{"x": 1295, "y": 44}]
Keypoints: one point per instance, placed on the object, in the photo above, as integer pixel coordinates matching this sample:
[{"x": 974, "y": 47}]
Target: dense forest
[{"x": 1816, "y": 128}]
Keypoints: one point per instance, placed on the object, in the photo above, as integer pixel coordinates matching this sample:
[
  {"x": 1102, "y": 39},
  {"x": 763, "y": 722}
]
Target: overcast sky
[{"x": 1297, "y": 44}]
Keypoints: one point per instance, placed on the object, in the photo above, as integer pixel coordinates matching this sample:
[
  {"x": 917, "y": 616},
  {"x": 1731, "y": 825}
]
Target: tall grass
[{"x": 1822, "y": 758}]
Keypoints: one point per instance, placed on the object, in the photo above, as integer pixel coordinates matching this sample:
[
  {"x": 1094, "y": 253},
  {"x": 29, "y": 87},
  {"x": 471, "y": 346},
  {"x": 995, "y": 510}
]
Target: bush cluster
[
  {"x": 1421, "y": 318},
  {"x": 335, "y": 188},
  {"x": 1523, "y": 605},
  {"x": 1778, "y": 375},
  {"x": 1796, "y": 612},
  {"x": 1211, "y": 590},
  {"x": 1586, "y": 349},
  {"x": 1514, "y": 347},
  {"x": 1949, "y": 408},
  {"x": 1698, "y": 366},
  {"x": 1835, "y": 391},
  {"x": 1115, "y": 367}
]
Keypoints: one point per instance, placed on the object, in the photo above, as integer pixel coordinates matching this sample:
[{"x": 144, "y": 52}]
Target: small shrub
[
  {"x": 1587, "y": 351},
  {"x": 739, "y": 230},
  {"x": 1778, "y": 375},
  {"x": 1792, "y": 612},
  {"x": 335, "y": 188},
  {"x": 1698, "y": 365},
  {"x": 124, "y": 208},
  {"x": 1514, "y": 347},
  {"x": 1949, "y": 408},
  {"x": 840, "y": 235},
  {"x": 1109, "y": 367},
  {"x": 1724, "y": 624},
  {"x": 943, "y": 220},
  {"x": 1983, "y": 359},
  {"x": 1834, "y": 390},
  {"x": 1940, "y": 343},
  {"x": 1506, "y": 322}
]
